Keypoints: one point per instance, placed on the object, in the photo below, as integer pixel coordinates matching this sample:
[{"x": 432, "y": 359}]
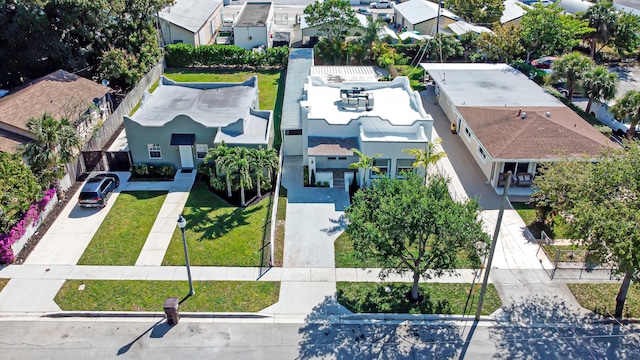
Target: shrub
[
  {"x": 217, "y": 184},
  {"x": 185, "y": 55},
  {"x": 152, "y": 170}
]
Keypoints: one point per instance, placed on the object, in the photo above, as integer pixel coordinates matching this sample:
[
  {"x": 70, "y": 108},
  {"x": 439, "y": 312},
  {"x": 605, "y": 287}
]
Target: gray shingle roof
[
  {"x": 300, "y": 62},
  {"x": 189, "y": 14}
]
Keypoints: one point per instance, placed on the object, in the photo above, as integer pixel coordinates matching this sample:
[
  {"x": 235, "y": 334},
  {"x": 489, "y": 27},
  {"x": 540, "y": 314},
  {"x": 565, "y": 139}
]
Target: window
[
  {"x": 467, "y": 132},
  {"x": 482, "y": 153},
  {"x": 154, "y": 151},
  {"x": 342, "y": 158},
  {"x": 383, "y": 165},
  {"x": 293, "y": 132},
  {"x": 331, "y": 158},
  {"x": 201, "y": 150},
  {"x": 177, "y": 41},
  {"x": 403, "y": 165}
]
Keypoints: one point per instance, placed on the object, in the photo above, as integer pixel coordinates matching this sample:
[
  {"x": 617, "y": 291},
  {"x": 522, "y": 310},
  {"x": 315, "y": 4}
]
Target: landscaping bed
[
  {"x": 601, "y": 298},
  {"x": 218, "y": 233},
  {"x": 138, "y": 295},
  {"x": 439, "y": 298},
  {"x": 124, "y": 231},
  {"x": 281, "y": 218},
  {"x": 556, "y": 228}
]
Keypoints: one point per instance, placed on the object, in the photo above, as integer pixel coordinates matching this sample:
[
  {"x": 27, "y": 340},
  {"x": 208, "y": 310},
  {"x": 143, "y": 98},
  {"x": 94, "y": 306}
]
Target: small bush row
[
  {"x": 186, "y": 55},
  {"x": 153, "y": 170}
]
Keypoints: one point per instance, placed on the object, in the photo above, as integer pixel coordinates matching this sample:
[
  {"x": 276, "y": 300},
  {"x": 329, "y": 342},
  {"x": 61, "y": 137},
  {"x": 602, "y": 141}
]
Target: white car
[
  {"x": 381, "y": 4},
  {"x": 601, "y": 112}
]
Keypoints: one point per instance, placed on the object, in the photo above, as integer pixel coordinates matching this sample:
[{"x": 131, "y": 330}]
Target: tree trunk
[
  {"x": 258, "y": 189},
  {"x": 364, "y": 175},
  {"x": 632, "y": 129},
  {"x": 228, "y": 178},
  {"x": 414, "y": 289},
  {"x": 622, "y": 294},
  {"x": 242, "y": 203},
  {"x": 593, "y": 49},
  {"x": 588, "y": 109}
]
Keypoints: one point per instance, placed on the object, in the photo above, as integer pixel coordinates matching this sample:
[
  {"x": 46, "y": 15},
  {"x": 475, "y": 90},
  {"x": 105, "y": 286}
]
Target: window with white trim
[
  {"x": 467, "y": 132},
  {"x": 403, "y": 165},
  {"x": 154, "y": 151},
  {"x": 201, "y": 150},
  {"x": 482, "y": 153},
  {"x": 383, "y": 165}
]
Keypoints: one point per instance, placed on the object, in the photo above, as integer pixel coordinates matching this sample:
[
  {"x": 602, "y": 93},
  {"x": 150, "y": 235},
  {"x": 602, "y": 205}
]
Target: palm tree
[
  {"x": 628, "y": 107},
  {"x": 241, "y": 166},
  {"x": 261, "y": 161},
  {"x": 602, "y": 18},
  {"x": 571, "y": 68},
  {"x": 600, "y": 84},
  {"x": 55, "y": 143},
  {"x": 428, "y": 157},
  {"x": 223, "y": 157},
  {"x": 366, "y": 164}
]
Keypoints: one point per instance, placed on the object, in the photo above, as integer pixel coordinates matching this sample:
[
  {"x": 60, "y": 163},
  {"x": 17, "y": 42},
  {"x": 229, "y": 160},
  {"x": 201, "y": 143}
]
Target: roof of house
[
  {"x": 418, "y": 11},
  {"x": 505, "y": 135},
  {"x": 574, "y": 6},
  {"x": 513, "y": 10},
  {"x": 298, "y": 69},
  {"x": 394, "y": 101},
  {"x": 254, "y": 14},
  {"x": 189, "y": 14},
  {"x": 331, "y": 146},
  {"x": 54, "y": 94},
  {"x": 488, "y": 85},
  {"x": 340, "y": 74},
  {"x": 463, "y": 27},
  {"x": 9, "y": 141}
]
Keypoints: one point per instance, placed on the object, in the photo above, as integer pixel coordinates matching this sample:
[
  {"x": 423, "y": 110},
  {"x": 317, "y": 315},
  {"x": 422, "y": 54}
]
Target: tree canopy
[
  {"x": 481, "y": 12},
  {"x": 601, "y": 200},
  {"x": 19, "y": 188},
  {"x": 333, "y": 18},
  {"x": 410, "y": 227}
]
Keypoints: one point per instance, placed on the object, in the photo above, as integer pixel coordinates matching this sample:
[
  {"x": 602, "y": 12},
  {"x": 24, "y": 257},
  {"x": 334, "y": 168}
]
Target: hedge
[{"x": 186, "y": 55}]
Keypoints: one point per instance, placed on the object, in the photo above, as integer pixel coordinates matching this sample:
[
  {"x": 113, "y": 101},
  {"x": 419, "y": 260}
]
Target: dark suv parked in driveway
[{"x": 97, "y": 190}]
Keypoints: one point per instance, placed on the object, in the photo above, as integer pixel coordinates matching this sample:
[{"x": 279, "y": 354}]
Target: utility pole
[
  {"x": 493, "y": 246},
  {"x": 438, "y": 18}
]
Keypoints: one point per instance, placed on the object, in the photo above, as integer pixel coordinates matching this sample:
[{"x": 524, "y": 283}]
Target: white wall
[
  {"x": 323, "y": 162},
  {"x": 292, "y": 144},
  {"x": 172, "y": 33},
  {"x": 391, "y": 151},
  {"x": 250, "y": 37}
]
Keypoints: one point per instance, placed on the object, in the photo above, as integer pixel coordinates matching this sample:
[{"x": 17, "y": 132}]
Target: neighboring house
[
  {"x": 312, "y": 31},
  {"x": 574, "y": 6},
  {"x": 193, "y": 22},
  {"x": 421, "y": 16},
  {"x": 513, "y": 12},
  {"x": 59, "y": 94},
  {"x": 338, "y": 114},
  {"x": 629, "y": 6},
  {"x": 179, "y": 122},
  {"x": 462, "y": 27},
  {"x": 253, "y": 25},
  {"x": 508, "y": 122}
]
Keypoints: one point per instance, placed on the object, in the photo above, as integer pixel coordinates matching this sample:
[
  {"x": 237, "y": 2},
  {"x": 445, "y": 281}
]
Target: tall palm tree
[
  {"x": 602, "y": 17},
  {"x": 600, "y": 84},
  {"x": 55, "y": 143},
  {"x": 628, "y": 107},
  {"x": 571, "y": 68},
  {"x": 425, "y": 158},
  {"x": 223, "y": 156},
  {"x": 366, "y": 164},
  {"x": 261, "y": 161},
  {"x": 241, "y": 166}
]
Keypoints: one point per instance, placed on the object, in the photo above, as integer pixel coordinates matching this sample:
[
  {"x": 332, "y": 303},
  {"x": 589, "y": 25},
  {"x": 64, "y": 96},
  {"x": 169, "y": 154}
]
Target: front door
[{"x": 186, "y": 156}]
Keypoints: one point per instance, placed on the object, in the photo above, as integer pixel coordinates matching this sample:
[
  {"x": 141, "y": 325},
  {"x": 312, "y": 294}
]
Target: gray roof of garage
[
  {"x": 189, "y": 14},
  {"x": 254, "y": 14},
  {"x": 298, "y": 69}
]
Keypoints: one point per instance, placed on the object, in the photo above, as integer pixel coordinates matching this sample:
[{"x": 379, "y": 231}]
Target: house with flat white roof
[{"x": 508, "y": 122}]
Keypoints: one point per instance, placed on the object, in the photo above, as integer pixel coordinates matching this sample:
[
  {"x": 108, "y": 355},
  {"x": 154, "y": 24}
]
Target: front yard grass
[
  {"x": 557, "y": 229},
  {"x": 123, "y": 232},
  {"x": 601, "y": 298},
  {"x": 137, "y": 295},
  {"x": 345, "y": 256},
  {"x": 218, "y": 233},
  {"x": 281, "y": 218},
  {"x": 439, "y": 298}
]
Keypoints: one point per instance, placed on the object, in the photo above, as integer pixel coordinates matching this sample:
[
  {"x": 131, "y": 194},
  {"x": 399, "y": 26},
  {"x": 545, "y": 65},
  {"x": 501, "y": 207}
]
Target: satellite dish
[
  {"x": 96, "y": 101},
  {"x": 105, "y": 82}
]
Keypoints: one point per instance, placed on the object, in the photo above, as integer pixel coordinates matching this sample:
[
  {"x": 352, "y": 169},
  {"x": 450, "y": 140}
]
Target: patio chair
[{"x": 502, "y": 179}]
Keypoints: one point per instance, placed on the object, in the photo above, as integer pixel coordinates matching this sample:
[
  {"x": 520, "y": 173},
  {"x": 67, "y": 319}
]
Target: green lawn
[
  {"x": 137, "y": 295},
  {"x": 345, "y": 256},
  {"x": 124, "y": 231},
  {"x": 219, "y": 234},
  {"x": 557, "y": 229},
  {"x": 601, "y": 298},
  {"x": 417, "y": 73},
  {"x": 281, "y": 218},
  {"x": 439, "y": 298},
  {"x": 151, "y": 89}
]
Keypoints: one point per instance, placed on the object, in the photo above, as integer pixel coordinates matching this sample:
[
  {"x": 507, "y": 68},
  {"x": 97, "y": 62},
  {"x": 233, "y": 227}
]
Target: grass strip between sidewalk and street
[
  {"x": 601, "y": 298},
  {"x": 123, "y": 232},
  {"x": 218, "y": 233},
  {"x": 140, "y": 295},
  {"x": 439, "y": 298},
  {"x": 3, "y": 283}
]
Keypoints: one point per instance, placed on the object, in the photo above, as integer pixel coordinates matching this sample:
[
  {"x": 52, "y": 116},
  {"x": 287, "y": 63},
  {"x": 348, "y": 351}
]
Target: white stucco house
[
  {"x": 253, "y": 26},
  {"x": 333, "y": 109},
  {"x": 192, "y": 22}
]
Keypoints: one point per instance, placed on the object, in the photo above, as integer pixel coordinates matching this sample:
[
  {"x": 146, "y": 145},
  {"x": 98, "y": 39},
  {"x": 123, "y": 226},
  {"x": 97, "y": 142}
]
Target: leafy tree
[
  {"x": 413, "y": 228},
  {"x": 625, "y": 34},
  {"x": 19, "y": 188},
  {"x": 55, "y": 143},
  {"x": 481, "y": 12},
  {"x": 469, "y": 42},
  {"x": 333, "y": 18},
  {"x": 503, "y": 43},
  {"x": 426, "y": 158},
  {"x": 628, "y": 107},
  {"x": 443, "y": 47},
  {"x": 602, "y": 199},
  {"x": 263, "y": 160},
  {"x": 600, "y": 84},
  {"x": 602, "y": 18},
  {"x": 571, "y": 68},
  {"x": 546, "y": 31},
  {"x": 240, "y": 164},
  {"x": 223, "y": 156},
  {"x": 331, "y": 51},
  {"x": 365, "y": 164}
]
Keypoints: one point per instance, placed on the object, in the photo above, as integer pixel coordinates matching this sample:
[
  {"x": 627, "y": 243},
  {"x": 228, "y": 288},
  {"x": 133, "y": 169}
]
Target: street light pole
[
  {"x": 493, "y": 246},
  {"x": 182, "y": 223}
]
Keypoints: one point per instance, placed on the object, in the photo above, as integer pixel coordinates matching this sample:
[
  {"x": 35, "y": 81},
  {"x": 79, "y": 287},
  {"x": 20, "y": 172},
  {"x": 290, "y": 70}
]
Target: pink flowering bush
[{"x": 30, "y": 217}]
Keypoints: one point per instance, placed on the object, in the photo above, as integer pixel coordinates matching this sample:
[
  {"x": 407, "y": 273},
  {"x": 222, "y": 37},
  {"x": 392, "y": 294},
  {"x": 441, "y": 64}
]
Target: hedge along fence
[{"x": 186, "y": 55}]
